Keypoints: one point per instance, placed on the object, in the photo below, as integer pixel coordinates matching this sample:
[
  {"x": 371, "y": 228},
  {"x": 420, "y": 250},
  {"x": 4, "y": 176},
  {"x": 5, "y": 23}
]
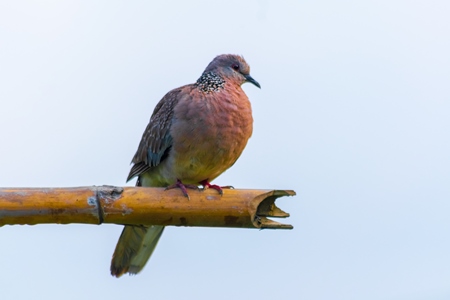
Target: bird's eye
[{"x": 235, "y": 67}]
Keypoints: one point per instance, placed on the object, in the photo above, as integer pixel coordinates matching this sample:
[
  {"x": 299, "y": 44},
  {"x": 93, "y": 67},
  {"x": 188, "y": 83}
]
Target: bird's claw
[
  {"x": 183, "y": 187},
  {"x": 228, "y": 187},
  {"x": 206, "y": 185}
]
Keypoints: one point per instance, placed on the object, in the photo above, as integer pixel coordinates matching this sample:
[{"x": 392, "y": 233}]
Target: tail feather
[{"x": 134, "y": 248}]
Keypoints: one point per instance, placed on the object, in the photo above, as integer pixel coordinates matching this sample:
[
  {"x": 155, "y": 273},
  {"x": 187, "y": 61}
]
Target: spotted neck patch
[{"x": 210, "y": 82}]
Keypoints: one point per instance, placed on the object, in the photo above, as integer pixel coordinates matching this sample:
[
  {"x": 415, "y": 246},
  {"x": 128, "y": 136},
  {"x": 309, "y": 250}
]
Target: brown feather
[{"x": 156, "y": 139}]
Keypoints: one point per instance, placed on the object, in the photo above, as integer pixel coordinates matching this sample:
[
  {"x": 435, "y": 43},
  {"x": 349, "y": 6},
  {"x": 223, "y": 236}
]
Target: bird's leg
[
  {"x": 206, "y": 185},
  {"x": 183, "y": 187}
]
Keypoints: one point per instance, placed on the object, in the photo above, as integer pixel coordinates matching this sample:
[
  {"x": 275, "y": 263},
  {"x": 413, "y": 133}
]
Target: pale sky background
[{"x": 353, "y": 114}]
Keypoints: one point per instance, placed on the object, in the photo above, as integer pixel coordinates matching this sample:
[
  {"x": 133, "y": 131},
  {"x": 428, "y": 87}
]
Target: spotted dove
[{"x": 196, "y": 132}]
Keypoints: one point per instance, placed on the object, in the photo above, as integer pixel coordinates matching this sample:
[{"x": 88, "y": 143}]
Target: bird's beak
[{"x": 251, "y": 80}]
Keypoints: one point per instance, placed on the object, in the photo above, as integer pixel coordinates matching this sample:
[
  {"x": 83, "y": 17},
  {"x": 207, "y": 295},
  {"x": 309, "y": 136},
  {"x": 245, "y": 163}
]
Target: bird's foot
[
  {"x": 183, "y": 187},
  {"x": 206, "y": 185}
]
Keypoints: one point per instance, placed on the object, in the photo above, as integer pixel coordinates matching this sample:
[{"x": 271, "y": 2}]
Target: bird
[{"x": 196, "y": 132}]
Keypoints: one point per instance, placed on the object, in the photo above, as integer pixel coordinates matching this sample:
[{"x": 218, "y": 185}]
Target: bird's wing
[{"x": 156, "y": 140}]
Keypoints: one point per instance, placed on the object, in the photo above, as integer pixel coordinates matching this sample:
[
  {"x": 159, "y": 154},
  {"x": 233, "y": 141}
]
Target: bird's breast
[{"x": 209, "y": 132}]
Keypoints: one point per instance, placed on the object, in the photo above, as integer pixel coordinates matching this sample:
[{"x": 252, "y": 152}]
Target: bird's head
[{"x": 232, "y": 68}]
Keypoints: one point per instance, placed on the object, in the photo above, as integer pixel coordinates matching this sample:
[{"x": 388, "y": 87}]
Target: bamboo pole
[{"x": 142, "y": 206}]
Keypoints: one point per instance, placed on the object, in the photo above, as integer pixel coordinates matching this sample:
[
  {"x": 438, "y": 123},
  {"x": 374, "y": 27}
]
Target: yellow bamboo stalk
[{"x": 142, "y": 206}]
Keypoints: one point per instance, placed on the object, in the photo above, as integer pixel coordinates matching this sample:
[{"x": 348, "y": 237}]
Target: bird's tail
[{"x": 134, "y": 248}]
